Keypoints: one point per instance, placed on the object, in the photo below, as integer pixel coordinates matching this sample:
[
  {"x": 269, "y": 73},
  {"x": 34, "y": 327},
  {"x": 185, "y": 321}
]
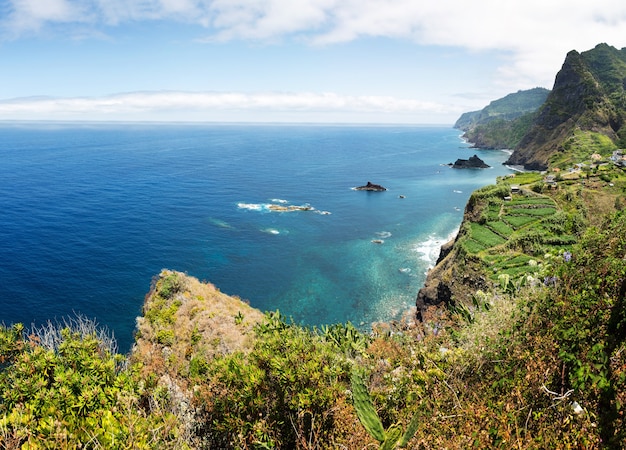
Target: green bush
[
  {"x": 285, "y": 388},
  {"x": 74, "y": 394},
  {"x": 588, "y": 317},
  {"x": 169, "y": 285},
  {"x": 165, "y": 337}
]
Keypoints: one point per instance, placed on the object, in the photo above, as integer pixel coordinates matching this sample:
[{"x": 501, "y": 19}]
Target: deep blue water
[{"x": 90, "y": 213}]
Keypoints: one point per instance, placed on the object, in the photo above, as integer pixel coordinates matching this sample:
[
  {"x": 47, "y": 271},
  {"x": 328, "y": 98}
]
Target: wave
[
  {"x": 519, "y": 169},
  {"x": 270, "y": 231},
  {"x": 253, "y": 206},
  {"x": 383, "y": 234},
  {"x": 431, "y": 247},
  {"x": 279, "y": 205}
]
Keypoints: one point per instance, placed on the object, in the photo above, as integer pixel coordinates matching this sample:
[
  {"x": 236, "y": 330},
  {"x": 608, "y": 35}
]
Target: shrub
[
  {"x": 73, "y": 392},
  {"x": 281, "y": 394},
  {"x": 169, "y": 285},
  {"x": 588, "y": 317}
]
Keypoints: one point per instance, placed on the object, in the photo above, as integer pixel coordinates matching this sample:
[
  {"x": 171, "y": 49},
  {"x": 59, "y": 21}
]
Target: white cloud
[
  {"x": 33, "y": 14},
  {"x": 217, "y": 106},
  {"x": 534, "y": 34}
]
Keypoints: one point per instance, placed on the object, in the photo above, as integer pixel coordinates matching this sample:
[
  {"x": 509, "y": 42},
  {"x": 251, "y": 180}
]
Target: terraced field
[{"x": 512, "y": 236}]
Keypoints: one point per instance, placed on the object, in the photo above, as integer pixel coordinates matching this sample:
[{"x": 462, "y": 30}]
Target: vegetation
[
  {"x": 500, "y": 133},
  {"x": 505, "y": 109},
  {"x": 503, "y": 123},
  {"x": 579, "y": 147},
  {"x": 62, "y": 386},
  {"x": 584, "y": 113}
]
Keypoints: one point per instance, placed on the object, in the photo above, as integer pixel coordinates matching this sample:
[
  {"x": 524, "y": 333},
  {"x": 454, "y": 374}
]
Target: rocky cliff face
[
  {"x": 503, "y": 122},
  {"x": 454, "y": 278},
  {"x": 507, "y": 108},
  {"x": 185, "y": 321},
  {"x": 588, "y": 95}
]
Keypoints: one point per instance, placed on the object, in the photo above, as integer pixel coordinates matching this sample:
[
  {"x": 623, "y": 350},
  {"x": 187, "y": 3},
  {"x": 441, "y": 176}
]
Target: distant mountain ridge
[
  {"x": 585, "y": 111},
  {"x": 503, "y": 122},
  {"x": 508, "y": 107}
]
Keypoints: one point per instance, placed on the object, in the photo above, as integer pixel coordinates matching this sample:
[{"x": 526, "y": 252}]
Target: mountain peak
[{"x": 588, "y": 97}]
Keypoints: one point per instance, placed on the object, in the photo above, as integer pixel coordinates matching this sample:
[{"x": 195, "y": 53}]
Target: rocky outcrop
[
  {"x": 474, "y": 162},
  {"x": 453, "y": 280},
  {"x": 185, "y": 321},
  {"x": 371, "y": 187}
]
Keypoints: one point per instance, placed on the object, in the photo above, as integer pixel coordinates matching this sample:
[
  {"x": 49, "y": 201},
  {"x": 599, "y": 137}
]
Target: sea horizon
[{"x": 225, "y": 123}]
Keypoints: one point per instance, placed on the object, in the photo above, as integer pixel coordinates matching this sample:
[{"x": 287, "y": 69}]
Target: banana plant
[{"x": 368, "y": 416}]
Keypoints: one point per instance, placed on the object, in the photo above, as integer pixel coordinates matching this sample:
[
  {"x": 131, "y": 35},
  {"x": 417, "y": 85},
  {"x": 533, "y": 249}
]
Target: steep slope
[
  {"x": 588, "y": 96},
  {"x": 503, "y": 122},
  {"x": 508, "y": 107}
]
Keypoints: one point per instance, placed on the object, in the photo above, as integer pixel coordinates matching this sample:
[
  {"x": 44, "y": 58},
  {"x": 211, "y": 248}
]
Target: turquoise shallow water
[{"x": 90, "y": 213}]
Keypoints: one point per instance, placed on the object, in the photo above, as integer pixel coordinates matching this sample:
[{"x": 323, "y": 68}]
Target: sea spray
[{"x": 431, "y": 247}]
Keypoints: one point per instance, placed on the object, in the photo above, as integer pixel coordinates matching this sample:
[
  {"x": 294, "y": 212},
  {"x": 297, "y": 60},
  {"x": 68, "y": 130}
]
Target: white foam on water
[
  {"x": 252, "y": 206},
  {"x": 431, "y": 247},
  {"x": 383, "y": 234},
  {"x": 279, "y": 200},
  {"x": 270, "y": 231}
]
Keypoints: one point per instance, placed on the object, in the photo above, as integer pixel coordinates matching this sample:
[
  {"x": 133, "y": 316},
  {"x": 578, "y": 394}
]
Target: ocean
[{"x": 90, "y": 213}]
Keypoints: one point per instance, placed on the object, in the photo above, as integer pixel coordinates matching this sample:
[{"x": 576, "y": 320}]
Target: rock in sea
[
  {"x": 474, "y": 162},
  {"x": 371, "y": 187}
]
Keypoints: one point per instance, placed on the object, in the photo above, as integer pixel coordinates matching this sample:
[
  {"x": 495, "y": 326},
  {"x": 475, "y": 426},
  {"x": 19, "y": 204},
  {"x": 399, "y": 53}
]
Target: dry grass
[
  {"x": 206, "y": 320},
  {"x": 206, "y": 323}
]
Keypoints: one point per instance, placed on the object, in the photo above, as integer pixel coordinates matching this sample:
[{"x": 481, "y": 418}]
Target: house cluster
[
  {"x": 550, "y": 180},
  {"x": 619, "y": 158}
]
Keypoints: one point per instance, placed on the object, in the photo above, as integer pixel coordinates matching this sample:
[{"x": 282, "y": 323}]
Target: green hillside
[
  {"x": 588, "y": 97},
  {"x": 503, "y": 122},
  {"x": 507, "y": 108}
]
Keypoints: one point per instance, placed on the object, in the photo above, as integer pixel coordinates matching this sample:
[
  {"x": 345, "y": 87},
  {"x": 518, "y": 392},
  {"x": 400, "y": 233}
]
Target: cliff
[
  {"x": 502, "y": 123},
  {"x": 183, "y": 323},
  {"x": 588, "y": 99}
]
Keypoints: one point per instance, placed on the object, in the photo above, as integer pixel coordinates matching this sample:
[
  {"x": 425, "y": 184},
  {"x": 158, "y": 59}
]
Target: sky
[{"x": 329, "y": 61}]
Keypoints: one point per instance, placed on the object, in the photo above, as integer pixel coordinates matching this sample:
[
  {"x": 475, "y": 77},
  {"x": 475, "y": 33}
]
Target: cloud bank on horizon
[{"x": 517, "y": 44}]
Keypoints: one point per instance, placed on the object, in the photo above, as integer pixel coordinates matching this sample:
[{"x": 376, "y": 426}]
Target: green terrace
[{"x": 512, "y": 233}]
